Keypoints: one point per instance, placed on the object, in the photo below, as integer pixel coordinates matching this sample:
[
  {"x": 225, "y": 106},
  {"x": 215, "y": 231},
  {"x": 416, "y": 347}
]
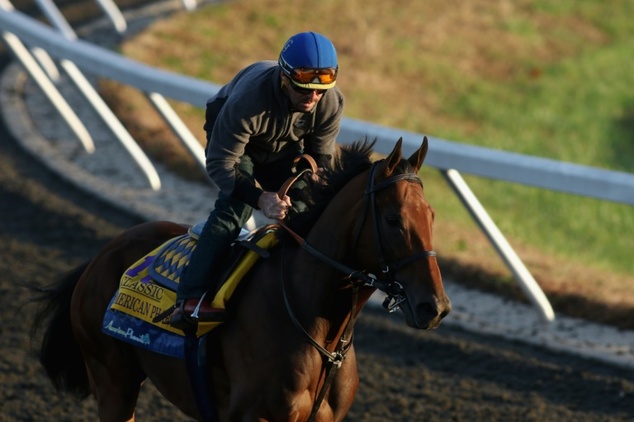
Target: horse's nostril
[
  {"x": 426, "y": 310},
  {"x": 431, "y": 310},
  {"x": 445, "y": 312}
]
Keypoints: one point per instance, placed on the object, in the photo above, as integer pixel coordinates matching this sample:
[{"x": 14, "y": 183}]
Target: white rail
[
  {"x": 528, "y": 283},
  {"x": 83, "y": 85},
  {"x": 534, "y": 171},
  {"x": 50, "y": 91},
  {"x": 449, "y": 157},
  {"x": 540, "y": 172}
]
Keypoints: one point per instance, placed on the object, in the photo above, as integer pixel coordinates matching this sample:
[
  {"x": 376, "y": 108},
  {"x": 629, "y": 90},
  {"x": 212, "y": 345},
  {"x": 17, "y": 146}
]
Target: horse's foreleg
[{"x": 344, "y": 387}]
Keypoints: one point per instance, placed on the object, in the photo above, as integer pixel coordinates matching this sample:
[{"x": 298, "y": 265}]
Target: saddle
[{"x": 148, "y": 288}]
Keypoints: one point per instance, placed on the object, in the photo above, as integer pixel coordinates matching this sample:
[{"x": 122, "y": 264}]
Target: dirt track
[{"x": 47, "y": 227}]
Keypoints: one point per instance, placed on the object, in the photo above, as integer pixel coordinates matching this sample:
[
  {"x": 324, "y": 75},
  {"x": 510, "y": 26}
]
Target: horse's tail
[{"x": 60, "y": 354}]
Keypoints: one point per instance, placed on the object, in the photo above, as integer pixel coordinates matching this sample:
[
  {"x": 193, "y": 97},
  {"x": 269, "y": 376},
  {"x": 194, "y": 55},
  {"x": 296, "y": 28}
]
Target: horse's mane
[{"x": 350, "y": 160}]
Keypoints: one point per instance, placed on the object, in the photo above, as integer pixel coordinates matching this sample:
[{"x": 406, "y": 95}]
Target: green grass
[
  {"x": 551, "y": 79},
  {"x": 579, "y": 111}
]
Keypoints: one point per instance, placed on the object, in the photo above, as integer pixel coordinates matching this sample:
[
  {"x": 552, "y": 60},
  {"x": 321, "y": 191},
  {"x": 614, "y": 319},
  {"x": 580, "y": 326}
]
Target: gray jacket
[{"x": 251, "y": 115}]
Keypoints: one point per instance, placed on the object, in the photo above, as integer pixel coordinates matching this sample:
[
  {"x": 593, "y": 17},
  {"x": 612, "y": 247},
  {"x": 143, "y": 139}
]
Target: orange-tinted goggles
[{"x": 307, "y": 76}]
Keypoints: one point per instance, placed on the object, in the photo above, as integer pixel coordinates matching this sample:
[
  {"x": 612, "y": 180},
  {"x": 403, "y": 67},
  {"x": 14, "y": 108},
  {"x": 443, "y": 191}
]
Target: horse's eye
[{"x": 394, "y": 219}]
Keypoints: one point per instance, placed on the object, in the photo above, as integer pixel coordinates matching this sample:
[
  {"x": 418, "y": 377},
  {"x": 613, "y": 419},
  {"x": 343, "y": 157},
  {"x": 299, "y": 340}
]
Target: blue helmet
[{"x": 309, "y": 59}]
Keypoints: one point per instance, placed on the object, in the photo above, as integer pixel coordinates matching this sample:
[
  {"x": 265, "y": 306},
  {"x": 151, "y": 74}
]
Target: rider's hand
[
  {"x": 272, "y": 206},
  {"x": 318, "y": 176}
]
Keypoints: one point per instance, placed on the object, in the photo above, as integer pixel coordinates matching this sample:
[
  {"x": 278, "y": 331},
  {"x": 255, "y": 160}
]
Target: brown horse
[{"x": 285, "y": 354}]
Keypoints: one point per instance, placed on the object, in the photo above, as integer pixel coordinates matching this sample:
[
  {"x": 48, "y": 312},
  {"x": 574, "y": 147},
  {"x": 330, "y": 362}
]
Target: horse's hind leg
[
  {"x": 115, "y": 381},
  {"x": 114, "y": 374}
]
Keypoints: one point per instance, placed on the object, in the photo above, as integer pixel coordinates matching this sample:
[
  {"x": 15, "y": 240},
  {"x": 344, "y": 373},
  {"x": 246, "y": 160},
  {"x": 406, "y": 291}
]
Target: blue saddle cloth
[{"x": 147, "y": 289}]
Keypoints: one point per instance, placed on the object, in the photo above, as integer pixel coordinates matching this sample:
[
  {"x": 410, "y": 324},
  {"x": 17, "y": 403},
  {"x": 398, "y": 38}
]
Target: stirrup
[
  {"x": 189, "y": 312},
  {"x": 181, "y": 320}
]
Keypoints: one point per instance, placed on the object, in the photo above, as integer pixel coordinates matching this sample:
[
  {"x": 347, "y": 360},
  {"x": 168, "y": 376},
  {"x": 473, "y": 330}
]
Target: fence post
[{"x": 515, "y": 264}]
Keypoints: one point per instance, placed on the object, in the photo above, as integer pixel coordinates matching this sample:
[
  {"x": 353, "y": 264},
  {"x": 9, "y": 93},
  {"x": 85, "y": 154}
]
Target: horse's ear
[
  {"x": 417, "y": 158},
  {"x": 394, "y": 158}
]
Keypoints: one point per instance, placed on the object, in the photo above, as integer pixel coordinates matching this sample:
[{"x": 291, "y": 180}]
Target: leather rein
[{"x": 395, "y": 292}]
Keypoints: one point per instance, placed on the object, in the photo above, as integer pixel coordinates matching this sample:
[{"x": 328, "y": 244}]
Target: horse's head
[
  {"x": 395, "y": 239},
  {"x": 376, "y": 227}
]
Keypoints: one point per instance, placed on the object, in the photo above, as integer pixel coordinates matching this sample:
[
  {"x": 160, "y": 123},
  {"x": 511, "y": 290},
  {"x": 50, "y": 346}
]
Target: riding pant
[{"x": 223, "y": 226}]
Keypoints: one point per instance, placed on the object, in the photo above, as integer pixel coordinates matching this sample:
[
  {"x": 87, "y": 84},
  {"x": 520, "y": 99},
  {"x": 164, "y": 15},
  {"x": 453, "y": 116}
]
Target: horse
[{"x": 286, "y": 351}]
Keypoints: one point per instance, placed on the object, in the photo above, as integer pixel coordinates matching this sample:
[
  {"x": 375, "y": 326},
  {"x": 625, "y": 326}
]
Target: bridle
[
  {"x": 394, "y": 290},
  {"x": 387, "y": 284}
]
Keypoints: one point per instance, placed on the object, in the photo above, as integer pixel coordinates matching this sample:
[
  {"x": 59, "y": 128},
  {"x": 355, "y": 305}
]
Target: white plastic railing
[
  {"x": 449, "y": 157},
  {"x": 495, "y": 164},
  {"x": 527, "y": 170},
  {"x": 90, "y": 94},
  {"x": 50, "y": 91},
  {"x": 527, "y": 282}
]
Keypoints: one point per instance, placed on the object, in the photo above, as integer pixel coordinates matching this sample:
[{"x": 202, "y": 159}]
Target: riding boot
[
  {"x": 197, "y": 279},
  {"x": 206, "y": 263}
]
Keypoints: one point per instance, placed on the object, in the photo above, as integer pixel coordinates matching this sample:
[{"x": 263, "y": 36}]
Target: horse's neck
[
  {"x": 321, "y": 299},
  {"x": 333, "y": 233},
  {"x": 326, "y": 295}
]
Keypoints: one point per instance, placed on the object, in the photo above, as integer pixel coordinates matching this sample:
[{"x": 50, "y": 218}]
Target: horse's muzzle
[{"x": 426, "y": 315}]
